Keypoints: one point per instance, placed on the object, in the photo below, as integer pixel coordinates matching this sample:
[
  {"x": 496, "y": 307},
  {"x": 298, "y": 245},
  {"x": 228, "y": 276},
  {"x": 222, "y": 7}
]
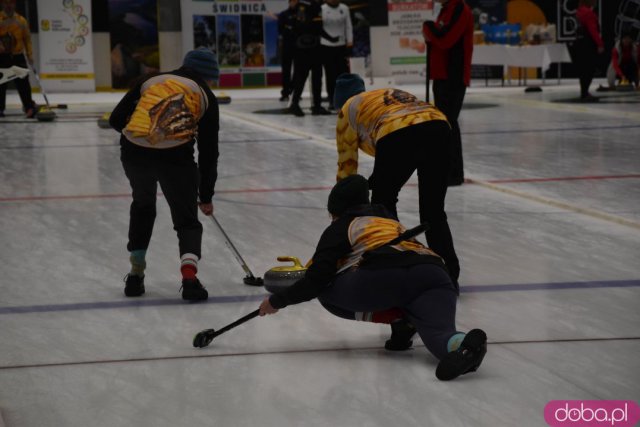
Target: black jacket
[
  {"x": 286, "y": 24},
  {"x": 333, "y": 246},
  {"x": 207, "y": 139}
]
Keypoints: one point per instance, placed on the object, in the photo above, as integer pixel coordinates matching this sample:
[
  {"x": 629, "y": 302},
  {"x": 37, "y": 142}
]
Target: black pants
[
  {"x": 423, "y": 292},
  {"x": 585, "y": 58},
  {"x": 448, "y": 97},
  {"x": 287, "y": 63},
  {"x": 305, "y": 61},
  {"x": 178, "y": 178},
  {"x": 426, "y": 148},
  {"x": 334, "y": 61},
  {"x": 23, "y": 85}
]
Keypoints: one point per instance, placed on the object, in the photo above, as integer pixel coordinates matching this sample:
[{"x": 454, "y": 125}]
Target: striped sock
[
  {"x": 454, "y": 342},
  {"x": 138, "y": 264},
  {"x": 188, "y": 266}
]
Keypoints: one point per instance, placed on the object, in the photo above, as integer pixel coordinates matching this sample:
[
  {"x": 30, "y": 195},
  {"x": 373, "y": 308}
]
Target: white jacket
[{"x": 336, "y": 21}]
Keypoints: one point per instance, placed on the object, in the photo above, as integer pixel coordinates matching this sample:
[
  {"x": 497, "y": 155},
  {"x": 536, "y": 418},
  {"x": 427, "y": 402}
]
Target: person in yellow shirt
[
  {"x": 404, "y": 135},
  {"x": 15, "y": 43},
  {"x": 366, "y": 268}
]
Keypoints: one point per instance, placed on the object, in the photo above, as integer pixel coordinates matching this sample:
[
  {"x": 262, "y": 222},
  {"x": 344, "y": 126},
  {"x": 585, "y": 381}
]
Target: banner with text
[
  {"x": 65, "y": 46},
  {"x": 407, "y": 47},
  {"x": 243, "y": 33}
]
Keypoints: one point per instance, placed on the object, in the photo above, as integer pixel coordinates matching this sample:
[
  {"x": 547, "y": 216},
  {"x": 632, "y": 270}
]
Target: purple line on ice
[{"x": 51, "y": 308}]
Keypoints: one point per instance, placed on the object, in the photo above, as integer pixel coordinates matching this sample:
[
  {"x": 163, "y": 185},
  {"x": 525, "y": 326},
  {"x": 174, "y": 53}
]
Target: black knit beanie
[{"x": 351, "y": 191}]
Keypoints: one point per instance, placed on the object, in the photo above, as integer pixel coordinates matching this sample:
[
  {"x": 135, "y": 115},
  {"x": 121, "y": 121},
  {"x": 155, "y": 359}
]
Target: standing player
[
  {"x": 15, "y": 43},
  {"x": 451, "y": 41},
  {"x": 161, "y": 119}
]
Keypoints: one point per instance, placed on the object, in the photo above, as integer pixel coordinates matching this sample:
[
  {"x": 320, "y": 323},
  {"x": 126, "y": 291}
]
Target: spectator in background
[
  {"x": 624, "y": 61},
  {"x": 287, "y": 44},
  {"x": 451, "y": 40},
  {"x": 587, "y": 47},
  {"x": 308, "y": 31},
  {"x": 15, "y": 49},
  {"x": 336, "y": 22}
]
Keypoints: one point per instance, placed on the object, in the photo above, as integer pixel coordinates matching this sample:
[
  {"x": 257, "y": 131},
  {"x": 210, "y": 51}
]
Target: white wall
[{"x": 380, "y": 51}]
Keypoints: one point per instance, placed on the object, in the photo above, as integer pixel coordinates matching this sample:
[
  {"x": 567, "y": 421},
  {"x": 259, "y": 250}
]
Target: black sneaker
[
  {"x": 319, "y": 111},
  {"x": 284, "y": 98},
  {"x": 192, "y": 290},
  {"x": 401, "y": 333},
  {"x": 2, "y": 114},
  {"x": 296, "y": 111},
  {"x": 133, "y": 285},
  {"x": 467, "y": 358}
]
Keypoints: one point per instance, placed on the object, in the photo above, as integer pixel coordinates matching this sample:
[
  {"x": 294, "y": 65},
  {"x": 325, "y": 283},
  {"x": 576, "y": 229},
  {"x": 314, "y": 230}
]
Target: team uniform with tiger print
[
  {"x": 404, "y": 135},
  {"x": 161, "y": 120},
  {"x": 370, "y": 116}
]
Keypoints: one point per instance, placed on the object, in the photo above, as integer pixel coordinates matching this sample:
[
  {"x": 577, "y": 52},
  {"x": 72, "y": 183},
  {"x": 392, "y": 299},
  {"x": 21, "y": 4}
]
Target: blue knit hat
[
  {"x": 204, "y": 62},
  {"x": 347, "y": 85}
]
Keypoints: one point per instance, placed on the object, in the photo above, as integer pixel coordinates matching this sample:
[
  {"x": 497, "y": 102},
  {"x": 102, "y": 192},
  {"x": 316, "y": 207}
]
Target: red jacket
[
  {"x": 623, "y": 55},
  {"x": 588, "y": 24},
  {"x": 451, "y": 39}
]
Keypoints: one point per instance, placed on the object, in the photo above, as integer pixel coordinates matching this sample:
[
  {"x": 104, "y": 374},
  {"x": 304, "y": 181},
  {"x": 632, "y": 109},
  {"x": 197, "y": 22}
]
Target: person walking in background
[
  {"x": 287, "y": 43},
  {"x": 404, "y": 135},
  {"x": 336, "y": 22},
  {"x": 160, "y": 120},
  {"x": 587, "y": 46},
  {"x": 15, "y": 44},
  {"x": 451, "y": 41}
]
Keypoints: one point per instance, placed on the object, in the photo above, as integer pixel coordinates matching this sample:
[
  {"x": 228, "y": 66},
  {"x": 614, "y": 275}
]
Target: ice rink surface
[{"x": 547, "y": 229}]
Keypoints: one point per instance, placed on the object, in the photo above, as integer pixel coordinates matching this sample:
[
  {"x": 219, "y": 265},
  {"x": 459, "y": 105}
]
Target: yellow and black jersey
[
  {"x": 367, "y": 233},
  {"x": 370, "y": 116},
  {"x": 14, "y": 35},
  {"x": 167, "y": 113},
  {"x": 343, "y": 245}
]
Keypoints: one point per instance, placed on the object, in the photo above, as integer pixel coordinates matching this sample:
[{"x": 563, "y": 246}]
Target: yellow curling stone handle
[{"x": 297, "y": 265}]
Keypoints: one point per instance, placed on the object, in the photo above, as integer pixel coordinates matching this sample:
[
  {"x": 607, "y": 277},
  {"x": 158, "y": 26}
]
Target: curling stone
[
  {"x": 223, "y": 98},
  {"x": 625, "y": 86},
  {"x": 282, "y": 277},
  {"x": 45, "y": 114},
  {"x": 103, "y": 122}
]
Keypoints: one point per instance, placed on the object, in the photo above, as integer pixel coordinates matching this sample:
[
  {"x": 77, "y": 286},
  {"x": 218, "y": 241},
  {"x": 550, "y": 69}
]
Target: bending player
[
  {"x": 405, "y": 135},
  {"x": 405, "y": 285},
  {"x": 160, "y": 120}
]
